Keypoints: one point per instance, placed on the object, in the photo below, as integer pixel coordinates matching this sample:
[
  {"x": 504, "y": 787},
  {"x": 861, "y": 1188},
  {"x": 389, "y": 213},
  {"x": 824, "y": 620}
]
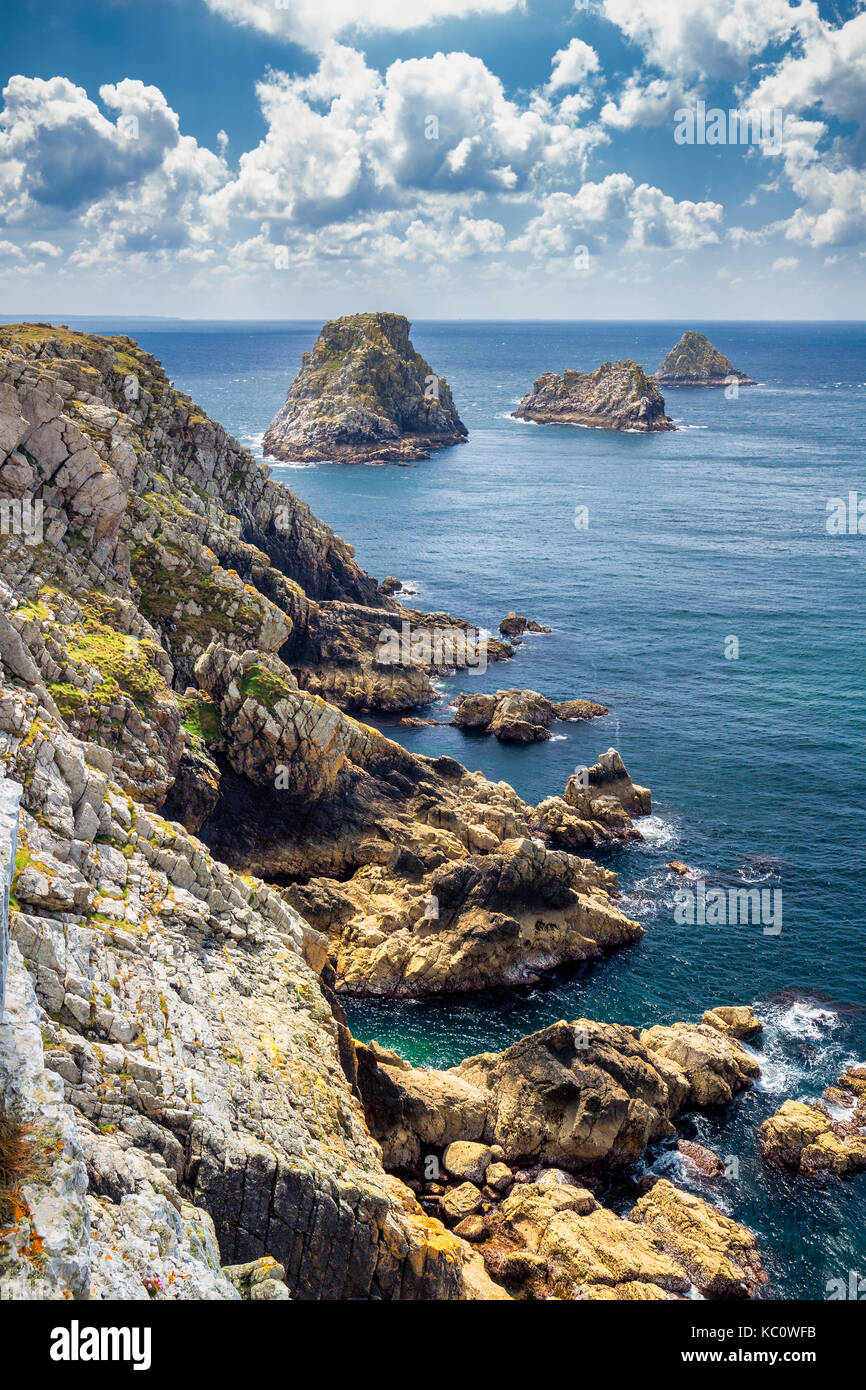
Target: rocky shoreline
[{"x": 211, "y": 850}]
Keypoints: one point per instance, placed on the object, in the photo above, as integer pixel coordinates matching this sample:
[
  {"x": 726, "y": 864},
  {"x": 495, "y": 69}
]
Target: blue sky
[{"x": 443, "y": 158}]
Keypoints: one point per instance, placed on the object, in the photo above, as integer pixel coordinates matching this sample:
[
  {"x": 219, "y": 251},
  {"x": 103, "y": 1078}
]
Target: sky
[{"x": 289, "y": 159}]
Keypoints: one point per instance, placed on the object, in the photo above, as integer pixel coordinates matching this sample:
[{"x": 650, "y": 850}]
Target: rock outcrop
[
  {"x": 364, "y": 394},
  {"x": 597, "y": 806},
  {"x": 828, "y": 1136},
  {"x": 514, "y": 625},
  {"x": 504, "y": 1133},
  {"x": 695, "y": 362},
  {"x": 579, "y": 1095},
  {"x": 519, "y": 716},
  {"x": 616, "y": 396},
  {"x": 556, "y": 1241}
]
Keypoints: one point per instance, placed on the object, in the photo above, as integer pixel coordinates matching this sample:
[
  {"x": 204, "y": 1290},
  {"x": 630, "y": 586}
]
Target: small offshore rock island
[
  {"x": 364, "y": 395},
  {"x": 201, "y": 850},
  {"x": 695, "y": 362},
  {"x": 616, "y": 396}
]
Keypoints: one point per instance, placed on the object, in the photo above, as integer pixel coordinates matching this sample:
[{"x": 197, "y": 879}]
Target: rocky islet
[
  {"x": 364, "y": 394},
  {"x": 615, "y": 396},
  {"x": 695, "y": 362}
]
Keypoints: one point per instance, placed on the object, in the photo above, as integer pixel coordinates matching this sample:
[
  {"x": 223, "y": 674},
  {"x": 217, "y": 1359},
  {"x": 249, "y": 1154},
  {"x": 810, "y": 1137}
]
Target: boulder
[
  {"x": 715, "y": 1066},
  {"x": 467, "y": 1161},
  {"x": 735, "y": 1021}
]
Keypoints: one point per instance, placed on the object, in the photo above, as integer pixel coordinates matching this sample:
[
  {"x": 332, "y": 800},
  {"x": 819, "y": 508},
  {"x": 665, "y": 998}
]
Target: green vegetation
[
  {"x": 124, "y": 662},
  {"x": 201, "y": 719},
  {"x": 264, "y": 686}
]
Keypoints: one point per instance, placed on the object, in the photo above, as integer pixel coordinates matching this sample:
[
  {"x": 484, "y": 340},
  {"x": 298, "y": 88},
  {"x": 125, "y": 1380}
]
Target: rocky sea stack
[
  {"x": 695, "y": 362},
  {"x": 364, "y": 394},
  {"x": 616, "y": 396}
]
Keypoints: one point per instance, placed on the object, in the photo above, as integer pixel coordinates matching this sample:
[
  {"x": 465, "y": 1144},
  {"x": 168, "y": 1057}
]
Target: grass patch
[
  {"x": 123, "y": 661},
  {"x": 264, "y": 686},
  {"x": 201, "y": 718}
]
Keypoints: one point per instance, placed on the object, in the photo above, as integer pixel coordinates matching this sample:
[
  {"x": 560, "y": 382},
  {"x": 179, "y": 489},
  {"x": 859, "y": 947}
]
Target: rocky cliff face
[
  {"x": 209, "y": 852},
  {"x": 193, "y": 1060},
  {"x": 10, "y": 797},
  {"x": 616, "y": 396},
  {"x": 362, "y": 394},
  {"x": 695, "y": 362}
]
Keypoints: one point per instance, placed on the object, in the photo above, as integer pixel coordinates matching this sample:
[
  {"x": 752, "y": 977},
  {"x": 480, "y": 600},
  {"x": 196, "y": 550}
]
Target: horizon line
[{"x": 8, "y": 319}]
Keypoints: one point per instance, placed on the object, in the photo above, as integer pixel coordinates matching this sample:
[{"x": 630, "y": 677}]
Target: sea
[{"x": 701, "y": 586}]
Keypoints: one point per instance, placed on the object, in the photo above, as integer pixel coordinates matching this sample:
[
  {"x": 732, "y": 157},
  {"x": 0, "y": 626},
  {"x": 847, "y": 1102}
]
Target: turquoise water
[{"x": 756, "y": 764}]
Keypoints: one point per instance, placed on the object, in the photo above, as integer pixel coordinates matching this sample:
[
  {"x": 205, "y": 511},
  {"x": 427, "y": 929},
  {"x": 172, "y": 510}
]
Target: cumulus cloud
[
  {"x": 642, "y": 103},
  {"x": 346, "y": 139},
  {"x": 314, "y": 23},
  {"x": 693, "y": 38},
  {"x": 785, "y": 263},
  {"x": 616, "y": 211},
  {"x": 829, "y": 72},
  {"x": 572, "y": 65},
  {"x": 61, "y": 157}
]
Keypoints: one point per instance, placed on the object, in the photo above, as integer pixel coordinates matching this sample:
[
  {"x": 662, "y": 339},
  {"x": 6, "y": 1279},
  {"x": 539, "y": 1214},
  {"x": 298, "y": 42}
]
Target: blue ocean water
[{"x": 756, "y": 764}]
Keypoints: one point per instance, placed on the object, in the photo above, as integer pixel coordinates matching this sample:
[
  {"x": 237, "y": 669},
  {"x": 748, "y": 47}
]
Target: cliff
[
  {"x": 616, "y": 396},
  {"x": 364, "y": 394},
  {"x": 695, "y": 362},
  {"x": 209, "y": 853}
]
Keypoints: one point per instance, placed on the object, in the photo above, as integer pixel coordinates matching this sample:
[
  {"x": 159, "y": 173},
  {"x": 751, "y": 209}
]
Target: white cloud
[
  {"x": 829, "y": 71},
  {"x": 346, "y": 139},
  {"x": 63, "y": 160},
  {"x": 784, "y": 264},
  {"x": 695, "y": 38},
  {"x": 643, "y": 103},
  {"x": 314, "y": 23},
  {"x": 572, "y": 65},
  {"x": 619, "y": 212}
]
